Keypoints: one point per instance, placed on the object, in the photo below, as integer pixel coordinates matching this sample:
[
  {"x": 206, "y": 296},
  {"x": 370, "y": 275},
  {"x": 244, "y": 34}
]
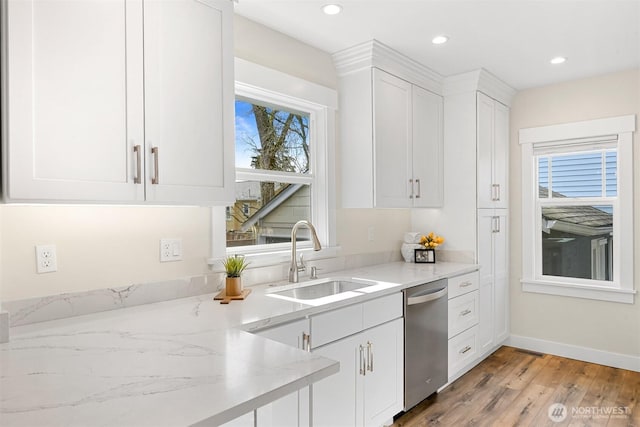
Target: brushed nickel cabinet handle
[
  {"x": 363, "y": 370},
  {"x": 466, "y": 349},
  {"x": 419, "y": 189},
  {"x": 137, "y": 179},
  {"x": 411, "y": 186},
  {"x": 306, "y": 342},
  {"x": 465, "y": 312},
  {"x": 370, "y": 356},
  {"x": 465, "y": 284},
  {"x": 495, "y": 192},
  {"x": 495, "y": 224},
  {"x": 156, "y": 174}
]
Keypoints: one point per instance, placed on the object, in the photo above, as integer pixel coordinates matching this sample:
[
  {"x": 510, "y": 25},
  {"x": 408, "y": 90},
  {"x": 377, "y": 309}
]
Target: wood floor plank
[
  {"x": 514, "y": 388},
  {"x": 526, "y": 406},
  {"x": 628, "y": 402}
]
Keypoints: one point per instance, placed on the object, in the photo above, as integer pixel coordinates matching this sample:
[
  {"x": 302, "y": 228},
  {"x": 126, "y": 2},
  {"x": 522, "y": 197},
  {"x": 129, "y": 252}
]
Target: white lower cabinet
[
  {"x": 368, "y": 341},
  {"x": 368, "y": 389},
  {"x": 291, "y": 410},
  {"x": 465, "y": 307},
  {"x": 493, "y": 326}
]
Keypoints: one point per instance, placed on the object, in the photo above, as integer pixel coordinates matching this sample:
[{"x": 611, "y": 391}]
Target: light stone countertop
[{"x": 172, "y": 363}]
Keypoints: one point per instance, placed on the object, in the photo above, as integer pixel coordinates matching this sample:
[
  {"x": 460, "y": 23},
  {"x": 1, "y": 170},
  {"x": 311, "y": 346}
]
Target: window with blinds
[
  {"x": 576, "y": 195},
  {"x": 590, "y": 174},
  {"x": 577, "y": 209}
]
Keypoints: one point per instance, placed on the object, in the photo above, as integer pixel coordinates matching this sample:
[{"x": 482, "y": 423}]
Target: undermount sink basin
[
  {"x": 316, "y": 291},
  {"x": 321, "y": 290}
]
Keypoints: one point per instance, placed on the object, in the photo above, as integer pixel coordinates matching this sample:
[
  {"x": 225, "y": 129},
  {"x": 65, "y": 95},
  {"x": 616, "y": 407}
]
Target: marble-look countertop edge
[{"x": 271, "y": 396}]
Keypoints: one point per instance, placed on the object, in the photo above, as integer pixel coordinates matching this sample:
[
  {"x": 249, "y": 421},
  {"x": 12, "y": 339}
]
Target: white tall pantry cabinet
[
  {"x": 474, "y": 216},
  {"x": 118, "y": 101}
]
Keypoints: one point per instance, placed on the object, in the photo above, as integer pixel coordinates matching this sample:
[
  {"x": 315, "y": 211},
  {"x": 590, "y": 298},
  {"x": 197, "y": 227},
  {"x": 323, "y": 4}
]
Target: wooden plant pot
[{"x": 233, "y": 287}]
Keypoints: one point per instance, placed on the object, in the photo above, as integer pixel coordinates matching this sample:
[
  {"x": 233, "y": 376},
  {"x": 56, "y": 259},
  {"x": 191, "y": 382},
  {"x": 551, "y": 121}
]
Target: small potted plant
[{"x": 234, "y": 266}]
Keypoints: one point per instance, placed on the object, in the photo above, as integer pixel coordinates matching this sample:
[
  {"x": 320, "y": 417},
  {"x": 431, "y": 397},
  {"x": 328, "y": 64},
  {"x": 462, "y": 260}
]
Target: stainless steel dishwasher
[{"x": 425, "y": 341}]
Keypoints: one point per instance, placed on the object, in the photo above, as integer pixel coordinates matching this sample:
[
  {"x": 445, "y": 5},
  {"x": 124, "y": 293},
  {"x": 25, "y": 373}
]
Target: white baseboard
[{"x": 586, "y": 354}]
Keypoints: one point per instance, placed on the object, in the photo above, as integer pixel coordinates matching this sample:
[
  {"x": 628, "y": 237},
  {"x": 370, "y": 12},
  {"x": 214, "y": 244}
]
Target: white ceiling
[{"x": 513, "y": 39}]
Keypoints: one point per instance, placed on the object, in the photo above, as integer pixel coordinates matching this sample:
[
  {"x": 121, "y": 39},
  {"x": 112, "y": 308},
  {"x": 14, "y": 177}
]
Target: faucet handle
[{"x": 301, "y": 266}]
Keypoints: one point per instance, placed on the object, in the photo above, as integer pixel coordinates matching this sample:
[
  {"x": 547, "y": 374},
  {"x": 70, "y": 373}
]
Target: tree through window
[{"x": 273, "y": 186}]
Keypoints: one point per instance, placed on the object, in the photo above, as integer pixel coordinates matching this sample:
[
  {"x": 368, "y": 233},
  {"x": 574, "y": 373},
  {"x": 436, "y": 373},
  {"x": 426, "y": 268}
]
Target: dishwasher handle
[{"x": 430, "y": 296}]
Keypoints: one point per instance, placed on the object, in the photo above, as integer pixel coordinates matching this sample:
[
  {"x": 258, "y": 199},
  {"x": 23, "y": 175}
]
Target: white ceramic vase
[{"x": 407, "y": 251}]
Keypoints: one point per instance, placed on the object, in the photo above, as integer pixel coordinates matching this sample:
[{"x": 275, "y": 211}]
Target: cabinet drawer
[
  {"x": 463, "y": 349},
  {"x": 335, "y": 324},
  {"x": 463, "y": 313},
  {"x": 460, "y": 285},
  {"x": 381, "y": 310}
]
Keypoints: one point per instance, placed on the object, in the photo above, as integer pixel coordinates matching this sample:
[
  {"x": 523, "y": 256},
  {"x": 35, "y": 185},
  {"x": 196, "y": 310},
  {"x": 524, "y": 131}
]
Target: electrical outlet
[
  {"x": 170, "y": 250},
  {"x": 46, "y": 260}
]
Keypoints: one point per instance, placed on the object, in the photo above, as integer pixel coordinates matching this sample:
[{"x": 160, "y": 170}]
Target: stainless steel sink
[
  {"x": 318, "y": 291},
  {"x": 321, "y": 290}
]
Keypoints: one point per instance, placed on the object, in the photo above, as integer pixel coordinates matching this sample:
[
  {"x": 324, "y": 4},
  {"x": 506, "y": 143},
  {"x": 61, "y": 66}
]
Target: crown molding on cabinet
[
  {"x": 375, "y": 54},
  {"x": 479, "y": 80}
]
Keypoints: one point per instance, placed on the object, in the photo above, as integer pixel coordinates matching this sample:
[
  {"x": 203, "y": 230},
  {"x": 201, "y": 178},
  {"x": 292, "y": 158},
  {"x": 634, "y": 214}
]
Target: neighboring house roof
[
  {"x": 581, "y": 220},
  {"x": 274, "y": 203}
]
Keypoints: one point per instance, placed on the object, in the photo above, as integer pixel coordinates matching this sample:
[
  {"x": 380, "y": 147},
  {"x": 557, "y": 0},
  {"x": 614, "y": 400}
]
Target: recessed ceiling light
[
  {"x": 558, "y": 60},
  {"x": 332, "y": 9},
  {"x": 439, "y": 39}
]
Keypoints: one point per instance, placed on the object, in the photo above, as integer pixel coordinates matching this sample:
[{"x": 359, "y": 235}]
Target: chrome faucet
[{"x": 294, "y": 268}]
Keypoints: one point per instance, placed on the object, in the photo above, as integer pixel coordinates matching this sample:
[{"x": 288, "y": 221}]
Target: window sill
[
  {"x": 279, "y": 256},
  {"x": 601, "y": 293}
]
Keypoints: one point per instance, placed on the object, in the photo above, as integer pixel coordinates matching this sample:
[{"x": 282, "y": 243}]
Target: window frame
[
  {"x": 570, "y": 138},
  {"x": 265, "y": 85}
]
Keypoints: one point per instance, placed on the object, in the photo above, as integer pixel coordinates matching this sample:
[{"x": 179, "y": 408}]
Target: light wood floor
[{"x": 516, "y": 388}]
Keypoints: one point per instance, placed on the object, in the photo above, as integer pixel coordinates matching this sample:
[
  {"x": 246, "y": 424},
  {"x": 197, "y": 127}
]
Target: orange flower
[{"x": 431, "y": 240}]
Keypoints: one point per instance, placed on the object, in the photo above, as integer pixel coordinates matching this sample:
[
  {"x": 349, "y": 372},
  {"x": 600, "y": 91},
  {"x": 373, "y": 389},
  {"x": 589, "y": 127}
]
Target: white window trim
[
  {"x": 266, "y": 84},
  {"x": 622, "y": 289}
]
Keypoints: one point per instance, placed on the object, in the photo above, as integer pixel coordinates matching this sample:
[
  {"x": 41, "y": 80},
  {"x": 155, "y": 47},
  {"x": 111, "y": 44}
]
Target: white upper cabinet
[
  {"x": 392, "y": 111},
  {"x": 391, "y": 130},
  {"x": 493, "y": 152},
  {"x": 188, "y": 122},
  {"x": 74, "y": 100},
  {"x": 405, "y": 147},
  {"x": 428, "y": 149},
  {"x": 83, "y": 90}
]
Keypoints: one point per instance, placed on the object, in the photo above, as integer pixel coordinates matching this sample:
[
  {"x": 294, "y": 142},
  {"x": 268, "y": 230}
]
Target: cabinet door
[
  {"x": 392, "y": 140},
  {"x": 484, "y": 140},
  {"x": 383, "y": 384},
  {"x": 75, "y": 96},
  {"x": 189, "y": 101},
  {"x": 501, "y": 277},
  {"x": 492, "y": 153},
  {"x": 486, "y": 227},
  {"x": 501, "y": 155},
  {"x": 291, "y": 410},
  {"x": 428, "y": 149},
  {"x": 335, "y": 398}
]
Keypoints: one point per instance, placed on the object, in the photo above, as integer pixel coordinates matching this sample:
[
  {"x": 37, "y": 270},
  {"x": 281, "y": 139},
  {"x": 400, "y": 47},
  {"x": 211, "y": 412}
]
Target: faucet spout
[{"x": 294, "y": 268}]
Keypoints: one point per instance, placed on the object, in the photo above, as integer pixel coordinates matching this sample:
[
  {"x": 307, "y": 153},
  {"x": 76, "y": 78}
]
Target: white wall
[
  {"x": 599, "y": 325},
  {"x": 109, "y": 246}
]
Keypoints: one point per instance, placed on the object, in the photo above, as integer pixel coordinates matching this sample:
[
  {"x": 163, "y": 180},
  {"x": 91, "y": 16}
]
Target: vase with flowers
[{"x": 429, "y": 242}]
